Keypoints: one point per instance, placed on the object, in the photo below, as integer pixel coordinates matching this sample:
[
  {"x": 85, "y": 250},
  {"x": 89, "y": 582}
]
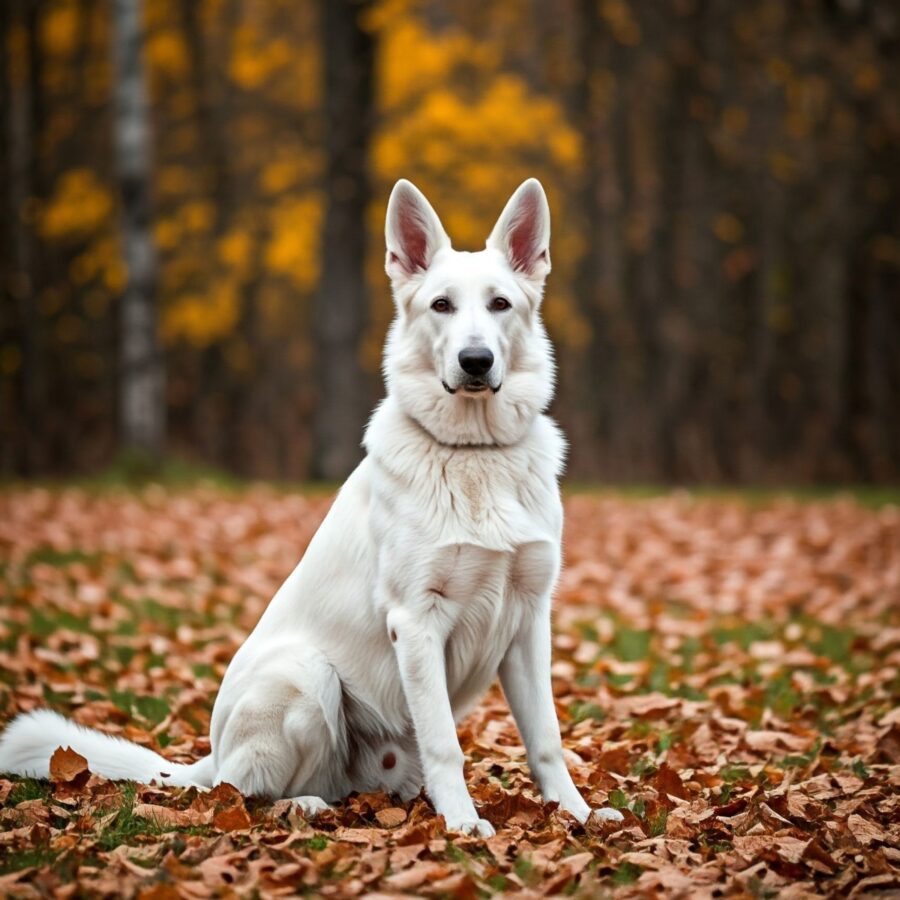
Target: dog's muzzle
[
  {"x": 472, "y": 386},
  {"x": 476, "y": 363}
]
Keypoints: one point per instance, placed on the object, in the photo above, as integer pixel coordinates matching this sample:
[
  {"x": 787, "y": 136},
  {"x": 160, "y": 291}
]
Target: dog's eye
[
  {"x": 441, "y": 305},
  {"x": 499, "y": 304}
]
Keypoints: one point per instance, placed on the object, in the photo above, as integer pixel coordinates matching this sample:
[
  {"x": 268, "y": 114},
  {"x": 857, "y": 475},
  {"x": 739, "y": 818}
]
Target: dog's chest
[
  {"x": 488, "y": 594},
  {"x": 486, "y": 499}
]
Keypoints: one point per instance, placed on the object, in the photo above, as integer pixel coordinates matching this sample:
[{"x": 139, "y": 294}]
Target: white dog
[{"x": 431, "y": 574}]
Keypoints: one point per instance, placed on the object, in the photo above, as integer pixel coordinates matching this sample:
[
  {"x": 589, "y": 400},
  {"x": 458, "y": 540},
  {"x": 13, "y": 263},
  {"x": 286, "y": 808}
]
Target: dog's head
[{"x": 467, "y": 355}]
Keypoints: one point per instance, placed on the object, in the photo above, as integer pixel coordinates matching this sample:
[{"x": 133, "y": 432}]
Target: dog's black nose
[{"x": 476, "y": 360}]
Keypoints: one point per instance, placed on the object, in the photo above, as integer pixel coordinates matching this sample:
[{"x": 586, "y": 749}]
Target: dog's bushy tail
[{"x": 28, "y": 743}]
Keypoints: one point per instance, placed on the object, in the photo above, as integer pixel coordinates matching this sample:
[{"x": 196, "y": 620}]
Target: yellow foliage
[
  {"x": 174, "y": 179},
  {"x": 782, "y": 166},
  {"x": 468, "y": 133},
  {"x": 167, "y": 233},
  {"x": 779, "y": 70},
  {"x": 167, "y": 54},
  {"x": 253, "y": 62},
  {"x": 618, "y": 16},
  {"x": 235, "y": 249},
  {"x": 59, "y": 29},
  {"x": 293, "y": 248},
  {"x": 300, "y": 83},
  {"x": 197, "y": 216},
  {"x": 728, "y": 228},
  {"x": 413, "y": 60},
  {"x": 567, "y": 325},
  {"x": 506, "y": 121},
  {"x": 101, "y": 262},
  {"x": 115, "y": 275},
  {"x": 280, "y": 175},
  {"x": 79, "y": 206},
  {"x": 202, "y": 319}
]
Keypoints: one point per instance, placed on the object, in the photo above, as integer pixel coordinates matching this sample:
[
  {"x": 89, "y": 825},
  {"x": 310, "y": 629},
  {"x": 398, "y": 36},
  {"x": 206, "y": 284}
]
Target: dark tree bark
[
  {"x": 142, "y": 376},
  {"x": 22, "y": 113},
  {"x": 340, "y": 306}
]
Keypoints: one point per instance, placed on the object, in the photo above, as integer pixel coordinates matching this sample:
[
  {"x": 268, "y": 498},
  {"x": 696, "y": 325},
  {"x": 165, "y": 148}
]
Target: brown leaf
[
  {"x": 164, "y": 815},
  {"x": 865, "y": 831},
  {"x": 232, "y": 818},
  {"x": 391, "y": 817},
  {"x": 417, "y": 875},
  {"x": 774, "y": 741},
  {"x": 69, "y": 767},
  {"x": 668, "y": 781}
]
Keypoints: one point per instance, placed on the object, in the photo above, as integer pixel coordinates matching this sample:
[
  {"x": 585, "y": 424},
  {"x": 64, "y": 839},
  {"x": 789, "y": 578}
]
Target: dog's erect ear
[
  {"x": 522, "y": 232},
  {"x": 412, "y": 231}
]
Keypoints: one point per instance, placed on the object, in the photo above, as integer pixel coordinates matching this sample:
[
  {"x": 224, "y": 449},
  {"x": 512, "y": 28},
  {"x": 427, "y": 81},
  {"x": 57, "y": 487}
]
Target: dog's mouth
[{"x": 472, "y": 386}]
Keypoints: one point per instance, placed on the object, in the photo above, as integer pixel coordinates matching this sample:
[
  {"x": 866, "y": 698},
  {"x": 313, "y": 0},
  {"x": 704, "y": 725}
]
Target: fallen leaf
[{"x": 391, "y": 817}]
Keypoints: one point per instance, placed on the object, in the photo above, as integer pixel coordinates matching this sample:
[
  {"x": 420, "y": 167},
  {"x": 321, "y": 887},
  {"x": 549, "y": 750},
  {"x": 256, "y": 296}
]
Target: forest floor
[{"x": 726, "y": 670}]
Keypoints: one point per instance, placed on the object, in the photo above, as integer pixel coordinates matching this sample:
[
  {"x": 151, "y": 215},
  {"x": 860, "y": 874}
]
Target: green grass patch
[
  {"x": 743, "y": 634},
  {"x": 42, "y": 625},
  {"x": 524, "y": 868},
  {"x": 802, "y": 760},
  {"x": 631, "y": 644},
  {"x": 734, "y": 774},
  {"x": 28, "y": 789},
  {"x": 60, "y": 558},
  {"x": 870, "y": 496},
  {"x": 580, "y": 711},
  {"x": 835, "y": 644},
  {"x": 151, "y": 709},
  {"x": 658, "y": 823},
  {"x": 643, "y": 766},
  {"x": 126, "y": 827},
  {"x": 627, "y": 873},
  {"x": 32, "y": 858}
]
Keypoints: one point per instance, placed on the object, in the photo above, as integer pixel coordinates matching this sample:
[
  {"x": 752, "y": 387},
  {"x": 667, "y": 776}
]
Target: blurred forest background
[{"x": 193, "y": 195}]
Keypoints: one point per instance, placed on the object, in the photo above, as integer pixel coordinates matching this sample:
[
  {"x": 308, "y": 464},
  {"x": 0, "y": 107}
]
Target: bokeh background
[{"x": 193, "y": 194}]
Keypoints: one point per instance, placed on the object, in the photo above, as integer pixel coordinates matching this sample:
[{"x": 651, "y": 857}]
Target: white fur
[{"x": 431, "y": 574}]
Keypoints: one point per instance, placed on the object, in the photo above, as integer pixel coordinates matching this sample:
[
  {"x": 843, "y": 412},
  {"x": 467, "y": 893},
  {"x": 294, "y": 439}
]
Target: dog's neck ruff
[
  {"x": 404, "y": 448},
  {"x": 484, "y": 445}
]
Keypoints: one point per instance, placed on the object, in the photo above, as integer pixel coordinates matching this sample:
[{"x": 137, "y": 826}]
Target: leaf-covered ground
[{"x": 726, "y": 672}]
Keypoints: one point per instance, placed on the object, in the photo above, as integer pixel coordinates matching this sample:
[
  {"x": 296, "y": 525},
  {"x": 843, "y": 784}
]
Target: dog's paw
[
  {"x": 607, "y": 814},
  {"x": 475, "y": 827},
  {"x": 310, "y": 806}
]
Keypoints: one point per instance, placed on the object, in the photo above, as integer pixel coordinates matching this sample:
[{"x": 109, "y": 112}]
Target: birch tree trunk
[{"x": 142, "y": 376}]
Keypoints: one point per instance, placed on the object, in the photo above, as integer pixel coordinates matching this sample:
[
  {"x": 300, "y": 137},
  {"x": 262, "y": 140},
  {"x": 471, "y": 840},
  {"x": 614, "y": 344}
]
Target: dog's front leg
[
  {"x": 419, "y": 645},
  {"x": 525, "y": 676}
]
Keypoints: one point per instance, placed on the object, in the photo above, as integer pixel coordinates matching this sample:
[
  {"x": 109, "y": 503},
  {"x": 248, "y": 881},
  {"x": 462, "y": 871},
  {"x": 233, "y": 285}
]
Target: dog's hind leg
[{"x": 285, "y": 737}]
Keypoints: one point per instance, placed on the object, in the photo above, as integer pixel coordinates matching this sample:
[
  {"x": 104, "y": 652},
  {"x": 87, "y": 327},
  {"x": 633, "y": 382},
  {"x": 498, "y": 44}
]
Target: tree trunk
[
  {"x": 340, "y": 306},
  {"x": 142, "y": 377}
]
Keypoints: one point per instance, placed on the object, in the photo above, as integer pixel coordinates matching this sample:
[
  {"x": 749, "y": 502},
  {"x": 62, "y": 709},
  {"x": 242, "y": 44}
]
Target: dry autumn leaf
[
  {"x": 726, "y": 681},
  {"x": 68, "y": 767},
  {"x": 391, "y": 817}
]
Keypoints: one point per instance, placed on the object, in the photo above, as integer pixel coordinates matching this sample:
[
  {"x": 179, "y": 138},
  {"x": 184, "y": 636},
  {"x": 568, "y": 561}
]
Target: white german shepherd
[{"x": 431, "y": 574}]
